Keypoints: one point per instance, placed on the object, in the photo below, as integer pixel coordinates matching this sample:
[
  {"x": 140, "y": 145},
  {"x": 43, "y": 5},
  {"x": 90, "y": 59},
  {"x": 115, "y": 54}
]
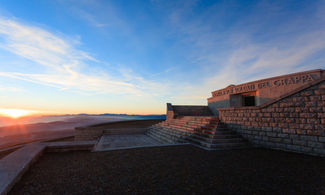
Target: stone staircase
[{"x": 206, "y": 132}]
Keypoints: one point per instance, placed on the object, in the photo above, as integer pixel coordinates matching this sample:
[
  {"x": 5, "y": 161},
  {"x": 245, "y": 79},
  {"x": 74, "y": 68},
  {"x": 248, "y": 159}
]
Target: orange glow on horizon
[{"x": 15, "y": 113}]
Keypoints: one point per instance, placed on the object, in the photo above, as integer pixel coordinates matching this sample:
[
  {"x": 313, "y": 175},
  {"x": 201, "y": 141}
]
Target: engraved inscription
[{"x": 266, "y": 84}]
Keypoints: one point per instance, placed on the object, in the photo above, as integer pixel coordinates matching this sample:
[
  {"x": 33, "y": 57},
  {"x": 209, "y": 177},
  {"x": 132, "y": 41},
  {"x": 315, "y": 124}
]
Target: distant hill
[
  {"x": 6, "y": 121},
  {"x": 162, "y": 116}
]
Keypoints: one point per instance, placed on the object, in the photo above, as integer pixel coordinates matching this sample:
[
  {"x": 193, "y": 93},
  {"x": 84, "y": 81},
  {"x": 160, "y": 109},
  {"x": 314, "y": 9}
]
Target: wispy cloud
[
  {"x": 10, "y": 89},
  {"x": 243, "y": 54},
  {"x": 63, "y": 63}
]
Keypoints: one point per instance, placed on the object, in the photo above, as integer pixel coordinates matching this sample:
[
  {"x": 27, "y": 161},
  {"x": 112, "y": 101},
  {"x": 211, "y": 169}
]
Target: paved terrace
[
  {"x": 175, "y": 170},
  {"x": 146, "y": 167}
]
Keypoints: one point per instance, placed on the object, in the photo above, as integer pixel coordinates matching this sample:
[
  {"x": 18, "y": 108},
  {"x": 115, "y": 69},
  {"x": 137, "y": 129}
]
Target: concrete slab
[
  {"x": 109, "y": 142},
  {"x": 13, "y": 166},
  {"x": 70, "y": 146}
]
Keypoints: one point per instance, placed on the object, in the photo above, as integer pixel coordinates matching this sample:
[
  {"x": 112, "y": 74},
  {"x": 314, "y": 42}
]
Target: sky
[{"x": 92, "y": 56}]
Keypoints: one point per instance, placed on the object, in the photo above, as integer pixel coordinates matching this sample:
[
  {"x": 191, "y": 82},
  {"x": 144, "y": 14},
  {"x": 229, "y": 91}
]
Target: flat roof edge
[{"x": 271, "y": 78}]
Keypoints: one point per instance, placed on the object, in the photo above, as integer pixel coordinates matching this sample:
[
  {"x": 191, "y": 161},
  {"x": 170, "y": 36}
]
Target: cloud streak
[
  {"x": 245, "y": 54},
  {"x": 63, "y": 63}
]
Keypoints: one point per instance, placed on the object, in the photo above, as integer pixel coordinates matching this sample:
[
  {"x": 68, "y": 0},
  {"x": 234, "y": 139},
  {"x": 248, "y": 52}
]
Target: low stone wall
[
  {"x": 170, "y": 112},
  {"x": 192, "y": 110},
  {"x": 94, "y": 132},
  {"x": 294, "y": 122},
  {"x": 126, "y": 131},
  {"x": 184, "y": 110},
  {"x": 88, "y": 133}
]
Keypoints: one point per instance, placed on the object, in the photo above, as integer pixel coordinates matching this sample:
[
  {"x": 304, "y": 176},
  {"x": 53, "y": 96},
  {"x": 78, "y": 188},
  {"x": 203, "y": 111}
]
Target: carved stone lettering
[{"x": 266, "y": 84}]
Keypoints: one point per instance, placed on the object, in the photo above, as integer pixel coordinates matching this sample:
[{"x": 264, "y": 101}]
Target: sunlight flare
[{"x": 15, "y": 113}]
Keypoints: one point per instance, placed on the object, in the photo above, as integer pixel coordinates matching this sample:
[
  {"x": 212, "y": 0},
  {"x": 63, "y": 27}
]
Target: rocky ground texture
[{"x": 175, "y": 170}]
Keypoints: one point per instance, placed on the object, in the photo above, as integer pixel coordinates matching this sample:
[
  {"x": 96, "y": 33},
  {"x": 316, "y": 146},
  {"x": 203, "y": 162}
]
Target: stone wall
[
  {"x": 88, "y": 133},
  {"x": 177, "y": 110},
  {"x": 94, "y": 132},
  {"x": 192, "y": 110},
  {"x": 264, "y": 90},
  {"x": 293, "y": 122},
  {"x": 170, "y": 112}
]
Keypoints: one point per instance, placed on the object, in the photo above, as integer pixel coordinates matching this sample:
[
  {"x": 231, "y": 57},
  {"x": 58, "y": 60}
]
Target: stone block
[
  {"x": 310, "y": 104},
  {"x": 308, "y": 115},
  {"x": 319, "y": 151},
  {"x": 301, "y": 131},
  {"x": 265, "y": 138},
  {"x": 287, "y": 141},
  {"x": 315, "y": 109},
  {"x": 271, "y": 134},
  {"x": 300, "y": 120},
  {"x": 283, "y": 135},
  {"x": 275, "y": 139},
  {"x": 313, "y": 132},
  {"x": 319, "y": 92},
  {"x": 293, "y": 126},
  {"x": 294, "y": 115},
  {"x": 279, "y": 110},
  {"x": 321, "y": 139},
  {"x": 308, "y": 138},
  {"x": 315, "y": 144},
  {"x": 277, "y": 130},
  {"x": 306, "y": 149},
  {"x": 307, "y": 93},
  {"x": 283, "y": 125},
  {"x": 299, "y": 142},
  {"x": 293, "y": 147},
  {"x": 321, "y": 103},
  {"x": 280, "y": 145},
  {"x": 294, "y": 136},
  {"x": 275, "y": 114},
  {"x": 314, "y": 98},
  {"x": 254, "y": 132},
  {"x": 321, "y": 115}
]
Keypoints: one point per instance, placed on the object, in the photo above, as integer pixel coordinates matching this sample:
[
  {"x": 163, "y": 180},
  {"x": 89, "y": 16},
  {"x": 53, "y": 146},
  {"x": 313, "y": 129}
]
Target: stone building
[
  {"x": 259, "y": 92},
  {"x": 284, "y": 112}
]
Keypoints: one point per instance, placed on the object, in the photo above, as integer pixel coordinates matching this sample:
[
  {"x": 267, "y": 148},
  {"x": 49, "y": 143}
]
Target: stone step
[
  {"x": 216, "y": 145},
  {"x": 217, "y": 136},
  {"x": 215, "y": 132},
  {"x": 185, "y": 130},
  {"x": 192, "y": 122},
  {"x": 171, "y": 133},
  {"x": 175, "y": 137},
  {"x": 218, "y": 140},
  {"x": 196, "y": 118},
  {"x": 223, "y": 139},
  {"x": 214, "y": 127},
  {"x": 182, "y": 129},
  {"x": 161, "y": 139}
]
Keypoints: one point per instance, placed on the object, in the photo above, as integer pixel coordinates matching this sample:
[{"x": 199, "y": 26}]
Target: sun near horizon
[{"x": 15, "y": 113}]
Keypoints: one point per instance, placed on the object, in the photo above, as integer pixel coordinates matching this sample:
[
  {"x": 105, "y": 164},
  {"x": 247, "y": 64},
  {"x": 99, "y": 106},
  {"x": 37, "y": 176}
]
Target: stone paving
[{"x": 112, "y": 142}]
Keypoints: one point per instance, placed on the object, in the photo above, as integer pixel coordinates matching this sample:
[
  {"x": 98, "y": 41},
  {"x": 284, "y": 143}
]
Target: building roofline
[
  {"x": 276, "y": 99},
  {"x": 271, "y": 78}
]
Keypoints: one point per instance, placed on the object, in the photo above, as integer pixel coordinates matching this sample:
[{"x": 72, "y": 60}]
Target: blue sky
[{"x": 88, "y": 56}]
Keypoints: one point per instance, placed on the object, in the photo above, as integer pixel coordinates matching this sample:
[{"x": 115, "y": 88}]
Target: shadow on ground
[{"x": 174, "y": 170}]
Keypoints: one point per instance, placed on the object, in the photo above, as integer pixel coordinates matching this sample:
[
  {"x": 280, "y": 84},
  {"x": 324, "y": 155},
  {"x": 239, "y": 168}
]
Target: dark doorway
[{"x": 249, "y": 100}]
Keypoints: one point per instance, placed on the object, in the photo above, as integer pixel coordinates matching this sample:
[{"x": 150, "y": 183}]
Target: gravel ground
[
  {"x": 64, "y": 139},
  {"x": 175, "y": 170}
]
